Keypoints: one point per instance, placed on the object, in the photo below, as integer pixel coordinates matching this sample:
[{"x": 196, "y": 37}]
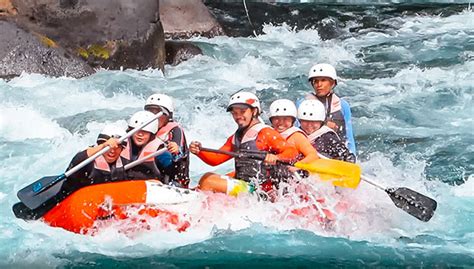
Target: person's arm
[
  {"x": 270, "y": 140},
  {"x": 216, "y": 158},
  {"x": 304, "y": 147},
  {"x": 77, "y": 159},
  {"x": 164, "y": 160},
  {"x": 346, "y": 111},
  {"x": 112, "y": 142},
  {"x": 175, "y": 142}
]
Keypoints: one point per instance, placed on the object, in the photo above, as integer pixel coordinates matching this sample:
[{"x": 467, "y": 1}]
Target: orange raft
[{"x": 82, "y": 210}]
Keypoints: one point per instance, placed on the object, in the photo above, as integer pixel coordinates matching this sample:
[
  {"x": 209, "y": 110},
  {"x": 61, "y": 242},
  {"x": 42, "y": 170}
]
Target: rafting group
[{"x": 154, "y": 147}]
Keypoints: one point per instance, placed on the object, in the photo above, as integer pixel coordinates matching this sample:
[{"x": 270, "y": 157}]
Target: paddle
[
  {"x": 21, "y": 211},
  {"x": 341, "y": 174},
  {"x": 416, "y": 204},
  {"x": 47, "y": 189}
]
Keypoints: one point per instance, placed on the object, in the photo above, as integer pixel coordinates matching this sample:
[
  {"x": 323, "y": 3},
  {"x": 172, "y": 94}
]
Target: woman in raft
[{"x": 312, "y": 114}]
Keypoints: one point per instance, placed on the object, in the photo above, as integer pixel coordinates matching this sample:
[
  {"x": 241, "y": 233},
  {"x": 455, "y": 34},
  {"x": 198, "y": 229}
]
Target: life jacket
[
  {"x": 318, "y": 133},
  {"x": 247, "y": 169},
  {"x": 147, "y": 169},
  {"x": 102, "y": 171},
  {"x": 334, "y": 113},
  {"x": 179, "y": 170},
  {"x": 326, "y": 149},
  {"x": 290, "y": 131}
]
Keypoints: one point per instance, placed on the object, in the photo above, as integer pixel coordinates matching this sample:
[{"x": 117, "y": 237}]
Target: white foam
[
  {"x": 20, "y": 123},
  {"x": 466, "y": 189}
]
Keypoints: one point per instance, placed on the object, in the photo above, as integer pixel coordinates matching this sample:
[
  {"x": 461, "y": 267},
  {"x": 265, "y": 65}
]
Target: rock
[
  {"x": 106, "y": 33},
  {"x": 6, "y": 8},
  {"x": 33, "y": 53},
  {"x": 180, "y": 51},
  {"x": 185, "y": 18},
  {"x": 235, "y": 22}
]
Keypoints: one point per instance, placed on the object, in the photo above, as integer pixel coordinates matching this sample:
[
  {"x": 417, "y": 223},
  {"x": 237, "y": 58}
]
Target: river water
[{"x": 410, "y": 86}]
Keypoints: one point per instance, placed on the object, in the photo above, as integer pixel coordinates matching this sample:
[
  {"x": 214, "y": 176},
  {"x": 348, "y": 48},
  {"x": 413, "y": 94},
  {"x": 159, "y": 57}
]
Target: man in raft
[
  {"x": 253, "y": 135},
  {"x": 325, "y": 140},
  {"x": 323, "y": 79},
  {"x": 105, "y": 168},
  {"x": 171, "y": 132}
]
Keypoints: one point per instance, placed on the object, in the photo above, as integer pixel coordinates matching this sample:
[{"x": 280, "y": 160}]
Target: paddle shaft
[
  {"x": 104, "y": 150},
  {"x": 239, "y": 155},
  {"x": 371, "y": 182},
  {"x": 140, "y": 161}
]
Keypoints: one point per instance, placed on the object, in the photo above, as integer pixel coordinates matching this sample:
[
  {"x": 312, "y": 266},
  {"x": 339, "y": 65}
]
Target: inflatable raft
[
  {"x": 84, "y": 210},
  {"x": 134, "y": 206}
]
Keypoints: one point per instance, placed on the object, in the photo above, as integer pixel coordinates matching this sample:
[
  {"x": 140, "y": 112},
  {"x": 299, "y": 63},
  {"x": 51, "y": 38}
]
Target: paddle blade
[
  {"x": 416, "y": 204},
  {"x": 341, "y": 174},
  {"x": 41, "y": 191},
  {"x": 21, "y": 211}
]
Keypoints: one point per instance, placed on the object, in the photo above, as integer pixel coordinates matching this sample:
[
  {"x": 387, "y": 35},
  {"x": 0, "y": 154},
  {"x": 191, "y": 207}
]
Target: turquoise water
[{"x": 410, "y": 87}]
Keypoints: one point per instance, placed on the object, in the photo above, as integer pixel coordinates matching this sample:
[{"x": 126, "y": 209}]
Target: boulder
[
  {"x": 180, "y": 51},
  {"x": 106, "y": 33},
  {"x": 34, "y": 53},
  {"x": 185, "y": 18}
]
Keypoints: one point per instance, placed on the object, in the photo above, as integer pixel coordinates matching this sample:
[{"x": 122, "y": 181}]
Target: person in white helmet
[
  {"x": 252, "y": 136},
  {"x": 107, "y": 167},
  {"x": 171, "y": 132},
  {"x": 323, "y": 79},
  {"x": 283, "y": 115},
  {"x": 143, "y": 143},
  {"x": 312, "y": 114}
]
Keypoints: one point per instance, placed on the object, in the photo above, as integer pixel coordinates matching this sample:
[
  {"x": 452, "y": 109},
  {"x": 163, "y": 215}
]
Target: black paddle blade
[
  {"x": 416, "y": 204},
  {"x": 41, "y": 191},
  {"x": 21, "y": 211}
]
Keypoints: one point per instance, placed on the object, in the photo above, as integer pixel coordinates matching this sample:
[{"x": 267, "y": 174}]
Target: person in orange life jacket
[
  {"x": 311, "y": 115},
  {"x": 323, "y": 79},
  {"x": 283, "y": 115},
  {"x": 143, "y": 143},
  {"x": 173, "y": 133},
  {"x": 250, "y": 135},
  {"x": 107, "y": 167}
]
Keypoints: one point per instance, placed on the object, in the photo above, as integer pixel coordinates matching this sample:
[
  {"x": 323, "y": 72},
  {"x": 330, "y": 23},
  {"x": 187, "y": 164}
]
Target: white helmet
[
  {"x": 162, "y": 101},
  {"x": 244, "y": 98},
  {"x": 111, "y": 131},
  {"x": 312, "y": 110},
  {"x": 283, "y": 107},
  {"x": 322, "y": 70},
  {"x": 141, "y": 117}
]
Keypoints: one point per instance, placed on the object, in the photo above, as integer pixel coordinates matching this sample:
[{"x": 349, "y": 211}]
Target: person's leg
[
  {"x": 224, "y": 184},
  {"x": 213, "y": 182}
]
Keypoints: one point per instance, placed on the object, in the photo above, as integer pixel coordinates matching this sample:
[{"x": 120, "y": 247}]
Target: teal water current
[{"x": 410, "y": 84}]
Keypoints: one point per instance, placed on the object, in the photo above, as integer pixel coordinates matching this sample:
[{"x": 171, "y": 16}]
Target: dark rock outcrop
[
  {"x": 33, "y": 53},
  {"x": 180, "y": 51},
  {"x": 106, "y": 33},
  {"x": 185, "y": 18}
]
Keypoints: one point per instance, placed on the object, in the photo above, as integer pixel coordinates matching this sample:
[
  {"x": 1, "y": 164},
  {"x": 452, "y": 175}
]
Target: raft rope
[{"x": 248, "y": 17}]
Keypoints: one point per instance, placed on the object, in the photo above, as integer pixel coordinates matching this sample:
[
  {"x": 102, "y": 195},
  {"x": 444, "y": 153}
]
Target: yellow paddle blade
[{"x": 341, "y": 174}]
